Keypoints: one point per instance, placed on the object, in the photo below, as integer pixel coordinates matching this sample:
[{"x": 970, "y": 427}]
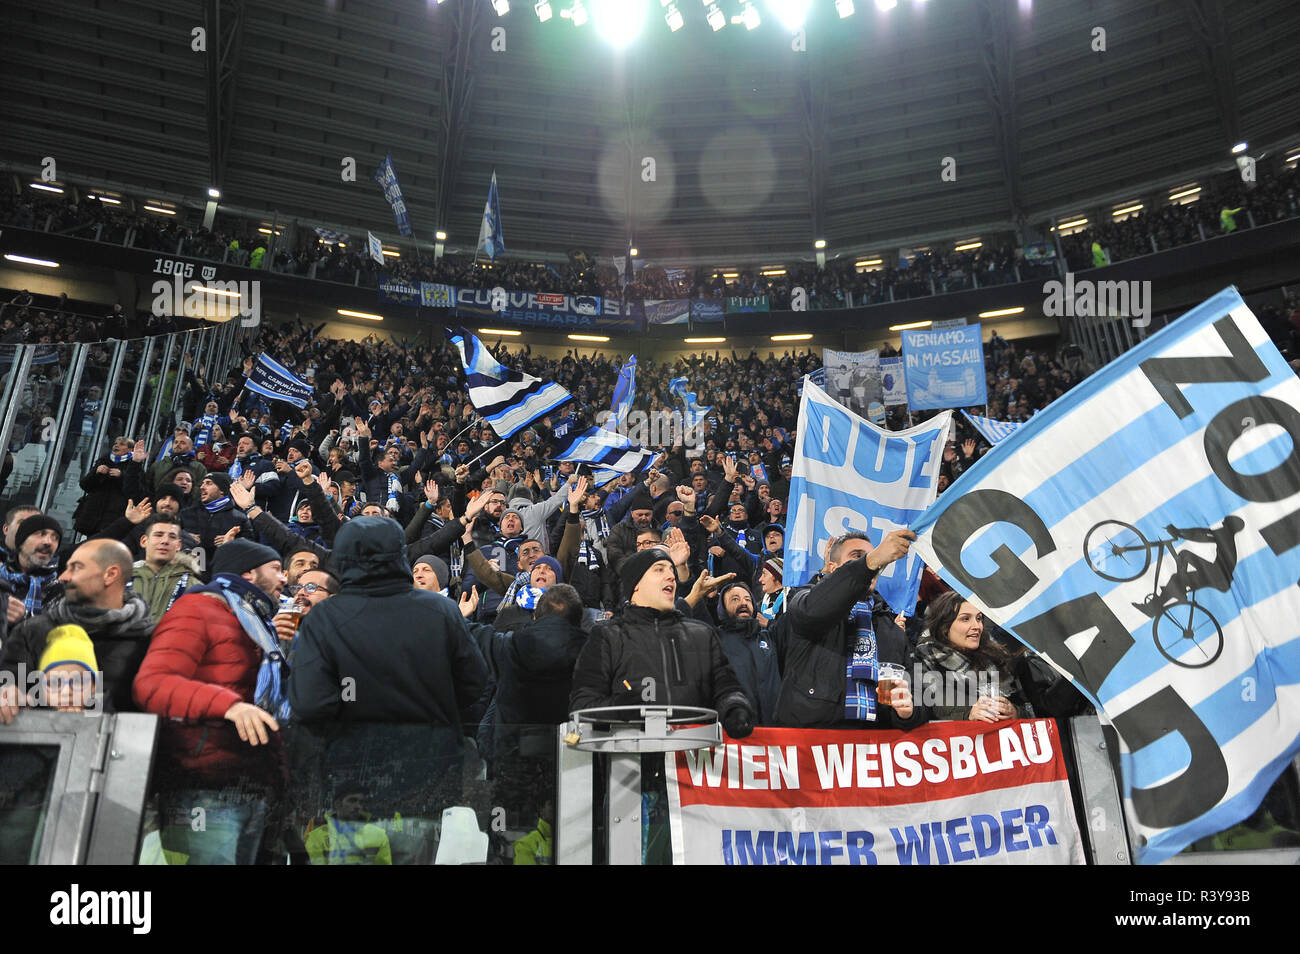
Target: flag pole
[
  {"x": 485, "y": 453},
  {"x": 474, "y": 423}
]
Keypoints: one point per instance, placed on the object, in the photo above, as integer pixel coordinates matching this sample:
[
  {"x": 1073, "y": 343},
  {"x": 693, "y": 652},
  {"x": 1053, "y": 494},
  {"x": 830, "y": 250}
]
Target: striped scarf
[
  {"x": 394, "y": 492},
  {"x": 218, "y": 505},
  {"x": 601, "y": 519},
  {"x": 120, "y": 458},
  {"x": 203, "y": 429},
  {"x": 285, "y": 430},
  {"x": 253, "y": 609},
  {"x": 860, "y": 696},
  {"x": 773, "y": 604},
  {"x": 31, "y": 582}
]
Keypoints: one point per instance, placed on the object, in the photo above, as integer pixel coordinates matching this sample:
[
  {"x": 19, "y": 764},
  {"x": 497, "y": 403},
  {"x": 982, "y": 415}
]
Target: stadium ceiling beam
[
  {"x": 1206, "y": 21},
  {"x": 815, "y": 99},
  {"x": 997, "y": 23},
  {"x": 224, "y": 26},
  {"x": 458, "y": 72}
]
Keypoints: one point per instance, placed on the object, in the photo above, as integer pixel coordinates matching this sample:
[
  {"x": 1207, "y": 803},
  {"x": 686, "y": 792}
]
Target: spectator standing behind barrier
[
  {"x": 383, "y": 667},
  {"x": 751, "y": 650},
  {"x": 964, "y": 668},
  {"x": 105, "y": 489},
  {"x": 166, "y": 571},
  {"x": 96, "y": 600},
  {"x": 32, "y": 571},
  {"x": 214, "y": 660},
  {"x": 837, "y": 640}
]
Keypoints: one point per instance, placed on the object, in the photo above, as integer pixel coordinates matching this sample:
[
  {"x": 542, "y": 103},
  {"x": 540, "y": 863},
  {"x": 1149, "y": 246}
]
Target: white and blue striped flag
[
  {"x": 992, "y": 431},
  {"x": 490, "y": 238},
  {"x": 692, "y": 413},
  {"x": 609, "y": 453},
  {"x": 624, "y": 395},
  {"x": 271, "y": 378},
  {"x": 1143, "y": 532},
  {"x": 332, "y": 237},
  {"x": 508, "y": 400}
]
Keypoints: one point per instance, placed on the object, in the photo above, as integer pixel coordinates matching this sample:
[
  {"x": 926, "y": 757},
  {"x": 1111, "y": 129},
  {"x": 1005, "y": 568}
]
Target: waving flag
[
  {"x": 1143, "y": 532},
  {"x": 271, "y": 378},
  {"x": 490, "y": 238},
  {"x": 692, "y": 413},
  {"x": 332, "y": 237},
  {"x": 609, "y": 453},
  {"x": 376, "y": 247},
  {"x": 624, "y": 394},
  {"x": 991, "y": 430},
  {"x": 851, "y": 475},
  {"x": 386, "y": 176},
  {"x": 508, "y": 400}
]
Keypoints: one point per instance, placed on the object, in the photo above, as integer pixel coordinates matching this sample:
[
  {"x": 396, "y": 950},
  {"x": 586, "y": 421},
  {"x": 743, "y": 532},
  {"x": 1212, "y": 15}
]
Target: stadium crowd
[
  {"x": 1224, "y": 204},
  {"x": 241, "y": 579}
]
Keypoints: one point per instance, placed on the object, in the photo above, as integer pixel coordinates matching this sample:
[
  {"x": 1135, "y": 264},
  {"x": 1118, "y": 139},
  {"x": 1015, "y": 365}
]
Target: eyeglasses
[{"x": 308, "y": 588}]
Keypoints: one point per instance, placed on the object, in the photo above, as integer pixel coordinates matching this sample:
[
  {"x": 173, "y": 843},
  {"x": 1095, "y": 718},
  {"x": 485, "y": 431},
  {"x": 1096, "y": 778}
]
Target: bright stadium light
[
  {"x": 618, "y": 21},
  {"x": 23, "y": 259},
  {"x": 717, "y": 19},
  {"x": 44, "y": 188},
  {"x": 577, "y": 13},
  {"x": 674, "y": 18},
  {"x": 440, "y": 236},
  {"x": 543, "y": 10},
  {"x": 750, "y": 17},
  {"x": 789, "y": 13},
  {"x": 820, "y": 243},
  {"x": 844, "y": 8},
  {"x": 884, "y": 6},
  {"x": 348, "y": 313},
  {"x": 1239, "y": 147},
  {"x": 502, "y": 7}
]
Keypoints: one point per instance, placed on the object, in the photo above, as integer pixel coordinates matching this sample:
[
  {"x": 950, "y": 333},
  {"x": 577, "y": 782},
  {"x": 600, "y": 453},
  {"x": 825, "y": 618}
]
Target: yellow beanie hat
[{"x": 68, "y": 644}]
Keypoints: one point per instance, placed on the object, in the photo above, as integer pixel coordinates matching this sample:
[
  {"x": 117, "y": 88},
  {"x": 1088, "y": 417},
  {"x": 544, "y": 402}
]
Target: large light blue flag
[
  {"x": 624, "y": 394},
  {"x": 992, "y": 431},
  {"x": 850, "y": 474},
  {"x": 490, "y": 238},
  {"x": 1143, "y": 532},
  {"x": 508, "y": 400},
  {"x": 692, "y": 413},
  {"x": 944, "y": 368}
]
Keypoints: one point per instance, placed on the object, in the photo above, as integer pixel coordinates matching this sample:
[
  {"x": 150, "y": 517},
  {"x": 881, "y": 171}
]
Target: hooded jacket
[
  {"x": 751, "y": 650},
  {"x": 533, "y": 668},
  {"x": 120, "y": 636},
  {"x": 407, "y": 651},
  {"x": 160, "y": 588}
]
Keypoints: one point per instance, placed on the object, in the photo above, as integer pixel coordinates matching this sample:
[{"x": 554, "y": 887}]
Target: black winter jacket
[
  {"x": 682, "y": 659},
  {"x": 407, "y": 651},
  {"x": 751, "y": 651},
  {"x": 121, "y": 638},
  {"x": 818, "y": 643}
]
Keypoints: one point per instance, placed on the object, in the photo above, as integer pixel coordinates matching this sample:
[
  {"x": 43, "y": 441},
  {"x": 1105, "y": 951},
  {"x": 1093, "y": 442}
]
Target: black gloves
[{"x": 737, "y": 722}]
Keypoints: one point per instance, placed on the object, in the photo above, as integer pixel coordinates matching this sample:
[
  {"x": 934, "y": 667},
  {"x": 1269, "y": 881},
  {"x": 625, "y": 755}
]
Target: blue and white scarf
[
  {"x": 394, "y": 492},
  {"x": 601, "y": 520},
  {"x": 254, "y": 609},
  {"x": 218, "y": 505},
  {"x": 527, "y": 597},
  {"x": 120, "y": 458},
  {"x": 203, "y": 429},
  {"x": 285, "y": 430},
  {"x": 862, "y": 670},
  {"x": 773, "y": 604}
]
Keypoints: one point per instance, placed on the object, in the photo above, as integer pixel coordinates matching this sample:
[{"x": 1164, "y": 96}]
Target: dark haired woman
[{"x": 967, "y": 674}]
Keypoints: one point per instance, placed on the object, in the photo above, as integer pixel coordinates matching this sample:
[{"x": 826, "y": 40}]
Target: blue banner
[
  {"x": 659, "y": 312},
  {"x": 851, "y": 475},
  {"x": 708, "y": 309},
  {"x": 944, "y": 368},
  {"x": 434, "y": 295},
  {"x": 386, "y": 176},
  {"x": 892, "y": 382},
  {"x": 393, "y": 292},
  {"x": 1142, "y": 532},
  {"x": 544, "y": 309}
]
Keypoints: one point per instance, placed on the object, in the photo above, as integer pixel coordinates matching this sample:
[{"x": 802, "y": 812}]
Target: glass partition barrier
[
  {"x": 34, "y": 424},
  {"x": 78, "y": 454}
]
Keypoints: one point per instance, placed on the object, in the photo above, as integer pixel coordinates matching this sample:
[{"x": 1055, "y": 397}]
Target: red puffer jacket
[{"x": 199, "y": 664}]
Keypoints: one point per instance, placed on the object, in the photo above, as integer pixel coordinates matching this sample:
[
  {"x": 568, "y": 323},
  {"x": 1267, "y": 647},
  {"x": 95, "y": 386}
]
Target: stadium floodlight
[
  {"x": 44, "y": 188},
  {"x": 618, "y": 21},
  {"x": 717, "y": 19},
  {"x": 632, "y": 252},
  {"x": 750, "y": 17},
  {"x": 502, "y": 7},
  {"x": 348, "y": 313},
  {"x": 884, "y": 6},
  {"x": 674, "y": 18},
  {"x": 844, "y": 8},
  {"x": 440, "y": 236},
  {"x": 214, "y": 193},
  {"x": 1002, "y": 312},
  {"x": 789, "y": 13},
  {"x": 23, "y": 259},
  {"x": 543, "y": 10},
  {"x": 1239, "y": 147},
  {"x": 820, "y": 243},
  {"x": 588, "y": 337}
]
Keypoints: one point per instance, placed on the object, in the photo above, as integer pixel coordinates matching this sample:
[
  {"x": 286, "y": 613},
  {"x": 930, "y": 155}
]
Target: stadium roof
[{"x": 757, "y": 149}]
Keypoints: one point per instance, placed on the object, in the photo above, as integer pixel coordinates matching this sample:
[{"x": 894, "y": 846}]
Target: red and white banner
[{"x": 946, "y": 793}]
